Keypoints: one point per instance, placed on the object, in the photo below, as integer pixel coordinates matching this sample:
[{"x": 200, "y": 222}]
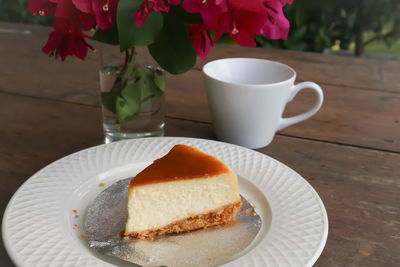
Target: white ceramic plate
[{"x": 40, "y": 227}]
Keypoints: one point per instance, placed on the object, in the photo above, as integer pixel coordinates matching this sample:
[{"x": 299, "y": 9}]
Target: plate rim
[{"x": 17, "y": 261}]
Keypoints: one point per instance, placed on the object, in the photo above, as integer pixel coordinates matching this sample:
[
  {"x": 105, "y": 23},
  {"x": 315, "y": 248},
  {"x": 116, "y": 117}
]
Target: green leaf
[
  {"x": 137, "y": 96},
  {"x": 188, "y": 18},
  {"x": 129, "y": 34},
  {"x": 128, "y": 104},
  {"x": 108, "y": 99},
  {"x": 129, "y": 70},
  {"x": 149, "y": 89},
  {"x": 173, "y": 49},
  {"x": 108, "y": 36},
  {"x": 159, "y": 80},
  {"x": 142, "y": 87}
]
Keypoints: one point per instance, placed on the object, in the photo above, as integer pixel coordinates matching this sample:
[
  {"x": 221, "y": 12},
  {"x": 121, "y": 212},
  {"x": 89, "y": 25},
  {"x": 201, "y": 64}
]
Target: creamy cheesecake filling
[
  {"x": 203, "y": 221},
  {"x": 157, "y": 205},
  {"x": 184, "y": 190}
]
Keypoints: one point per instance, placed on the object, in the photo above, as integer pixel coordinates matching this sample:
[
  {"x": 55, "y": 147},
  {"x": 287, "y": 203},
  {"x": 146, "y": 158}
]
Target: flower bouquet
[{"x": 174, "y": 31}]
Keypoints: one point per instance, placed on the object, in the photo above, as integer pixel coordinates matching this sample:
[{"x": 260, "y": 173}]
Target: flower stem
[{"x": 126, "y": 61}]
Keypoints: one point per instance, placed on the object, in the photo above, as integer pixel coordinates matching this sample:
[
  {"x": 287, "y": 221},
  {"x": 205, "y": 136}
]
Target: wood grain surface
[
  {"x": 349, "y": 151},
  {"x": 326, "y": 69},
  {"x": 344, "y": 118},
  {"x": 350, "y": 116}
]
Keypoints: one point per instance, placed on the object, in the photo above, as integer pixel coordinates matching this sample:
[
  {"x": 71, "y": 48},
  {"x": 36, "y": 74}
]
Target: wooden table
[{"x": 349, "y": 151}]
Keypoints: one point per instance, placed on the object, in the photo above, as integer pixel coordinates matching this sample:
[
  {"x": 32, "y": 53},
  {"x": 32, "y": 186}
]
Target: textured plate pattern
[{"x": 34, "y": 224}]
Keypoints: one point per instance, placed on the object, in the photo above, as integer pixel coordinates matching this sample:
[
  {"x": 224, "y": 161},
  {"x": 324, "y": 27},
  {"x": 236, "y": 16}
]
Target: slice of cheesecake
[{"x": 182, "y": 191}]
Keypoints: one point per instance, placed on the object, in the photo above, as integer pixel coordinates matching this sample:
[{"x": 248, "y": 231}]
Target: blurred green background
[
  {"x": 371, "y": 26},
  {"x": 358, "y": 27}
]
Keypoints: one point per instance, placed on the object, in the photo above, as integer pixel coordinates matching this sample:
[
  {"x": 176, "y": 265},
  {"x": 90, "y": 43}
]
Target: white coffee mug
[{"x": 247, "y": 97}]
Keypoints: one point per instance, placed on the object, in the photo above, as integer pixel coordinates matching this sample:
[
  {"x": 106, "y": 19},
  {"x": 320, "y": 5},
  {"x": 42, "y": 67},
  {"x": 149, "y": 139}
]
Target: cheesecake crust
[{"x": 203, "y": 221}]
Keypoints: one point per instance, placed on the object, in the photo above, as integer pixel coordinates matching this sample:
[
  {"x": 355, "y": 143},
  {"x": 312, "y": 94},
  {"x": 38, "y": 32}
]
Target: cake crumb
[
  {"x": 365, "y": 253},
  {"x": 251, "y": 203},
  {"x": 82, "y": 237},
  {"x": 122, "y": 233},
  {"x": 77, "y": 216},
  {"x": 74, "y": 211},
  {"x": 102, "y": 184}
]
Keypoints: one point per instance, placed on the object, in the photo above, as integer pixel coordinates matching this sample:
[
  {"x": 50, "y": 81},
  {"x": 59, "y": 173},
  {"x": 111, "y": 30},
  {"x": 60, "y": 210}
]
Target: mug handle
[{"x": 285, "y": 122}]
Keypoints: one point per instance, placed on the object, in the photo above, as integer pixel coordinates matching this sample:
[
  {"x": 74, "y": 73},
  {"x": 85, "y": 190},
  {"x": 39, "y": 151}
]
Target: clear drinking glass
[{"x": 151, "y": 120}]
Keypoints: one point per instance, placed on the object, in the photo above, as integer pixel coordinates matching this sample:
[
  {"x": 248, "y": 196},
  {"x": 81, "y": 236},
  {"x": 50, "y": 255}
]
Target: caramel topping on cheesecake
[{"x": 181, "y": 163}]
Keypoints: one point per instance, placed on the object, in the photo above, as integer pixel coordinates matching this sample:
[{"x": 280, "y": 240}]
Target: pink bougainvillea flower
[
  {"x": 284, "y": 2},
  {"x": 84, "y": 6},
  {"x": 276, "y": 26},
  {"x": 200, "y": 38},
  {"x": 66, "y": 41},
  {"x": 149, "y": 6},
  {"x": 141, "y": 14},
  {"x": 246, "y": 19},
  {"x": 88, "y": 21},
  {"x": 174, "y": 2},
  {"x": 243, "y": 21},
  {"x": 104, "y": 11},
  {"x": 210, "y": 10},
  {"x": 42, "y": 7},
  {"x": 65, "y": 9}
]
